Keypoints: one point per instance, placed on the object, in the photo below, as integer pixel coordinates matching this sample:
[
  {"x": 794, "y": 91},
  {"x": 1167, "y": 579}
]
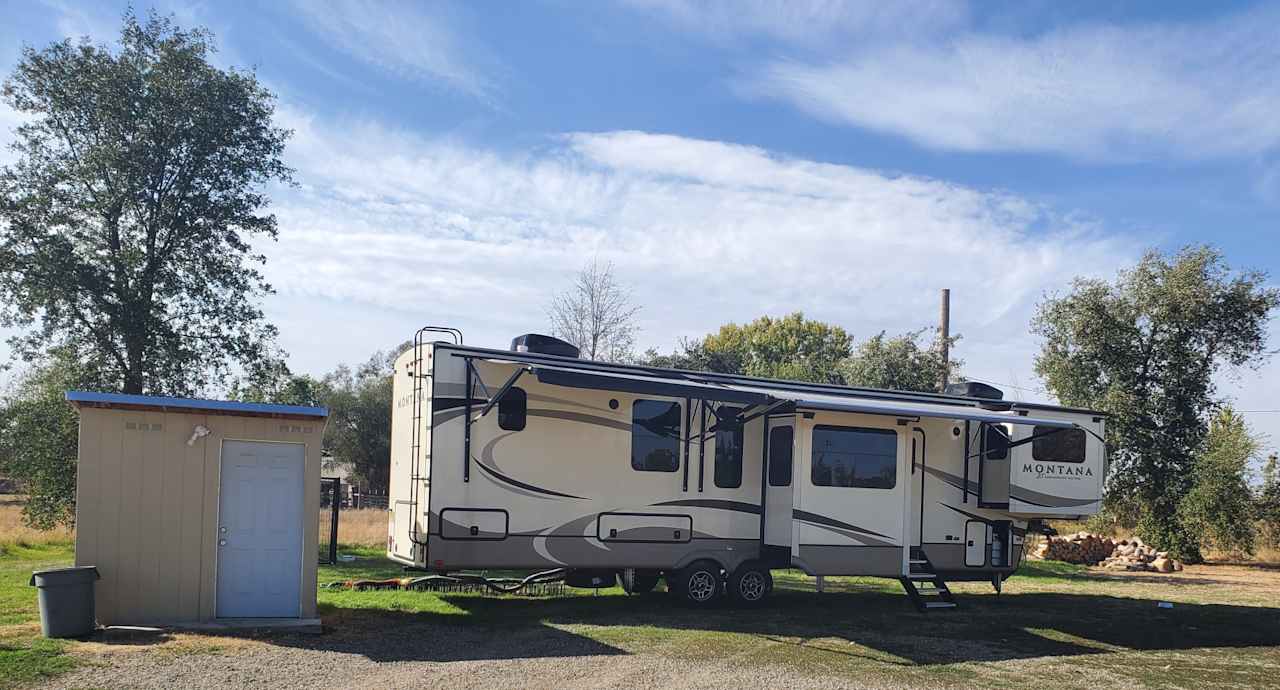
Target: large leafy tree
[
  {"x": 1220, "y": 506},
  {"x": 358, "y": 433},
  {"x": 897, "y": 363},
  {"x": 359, "y": 430},
  {"x": 38, "y": 435},
  {"x": 1268, "y": 506},
  {"x": 126, "y": 222},
  {"x": 791, "y": 347},
  {"x": 800, "y": 349},
  {"x": 1145, "y": 349}
]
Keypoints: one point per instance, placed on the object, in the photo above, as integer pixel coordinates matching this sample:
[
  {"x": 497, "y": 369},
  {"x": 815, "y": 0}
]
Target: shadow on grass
[{"x": 985, "y": 628}]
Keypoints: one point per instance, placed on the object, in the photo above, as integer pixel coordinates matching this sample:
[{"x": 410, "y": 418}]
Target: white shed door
[{"x": 260, "y": 530}]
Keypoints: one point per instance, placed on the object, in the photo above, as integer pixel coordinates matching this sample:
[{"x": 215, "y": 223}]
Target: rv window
[
  {"x": 780, "y": 441},
  {"x": 512, "y": 410},
  {"x": 728, "y": 468},
  {"x": 1057, "y": 445},
  {"x": 655, "y": 436},
  {"x": 995, "y": 442},
  {"x": 855, "y": 458}
]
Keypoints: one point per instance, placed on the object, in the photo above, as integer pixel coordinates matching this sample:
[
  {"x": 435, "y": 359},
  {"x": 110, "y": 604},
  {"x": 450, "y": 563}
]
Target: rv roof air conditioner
[
  {"x": 973, "y": 389},
  {"x": 543, "y": 344}
]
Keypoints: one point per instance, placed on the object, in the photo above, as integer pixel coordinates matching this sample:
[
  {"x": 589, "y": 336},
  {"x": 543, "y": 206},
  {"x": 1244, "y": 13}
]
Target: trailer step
[{"x": 925, "y": 587}]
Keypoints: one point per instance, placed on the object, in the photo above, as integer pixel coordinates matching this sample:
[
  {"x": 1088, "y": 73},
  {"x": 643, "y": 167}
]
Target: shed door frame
[{"x": 219, "y": 524}]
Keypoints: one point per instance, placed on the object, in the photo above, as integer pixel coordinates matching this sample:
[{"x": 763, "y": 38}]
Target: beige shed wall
[{"x": 147, "y": 509}]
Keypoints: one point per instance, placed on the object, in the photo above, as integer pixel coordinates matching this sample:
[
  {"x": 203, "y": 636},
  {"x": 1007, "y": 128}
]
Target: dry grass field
[
  {"x": 13, "y": 532},
  {"x": 364, "y": 527}
]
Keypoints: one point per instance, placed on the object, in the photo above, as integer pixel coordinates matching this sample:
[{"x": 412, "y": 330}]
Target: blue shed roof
[{"x": 228, "y": 407}]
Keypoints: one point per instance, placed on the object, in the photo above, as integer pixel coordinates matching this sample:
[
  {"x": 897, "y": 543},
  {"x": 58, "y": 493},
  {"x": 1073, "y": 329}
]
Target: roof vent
[
  {"x": 543, "y": 344},
  {"x": 973, "y": 389}
]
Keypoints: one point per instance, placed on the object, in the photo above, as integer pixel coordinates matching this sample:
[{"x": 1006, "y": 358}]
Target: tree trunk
[{"x": 135, "y": 347}]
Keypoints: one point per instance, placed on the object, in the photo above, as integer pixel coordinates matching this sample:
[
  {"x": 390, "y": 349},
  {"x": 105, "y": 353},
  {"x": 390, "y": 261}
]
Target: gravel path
[
  {"x": 294, "y": 668},
  {"x": 430, "y": 657}
]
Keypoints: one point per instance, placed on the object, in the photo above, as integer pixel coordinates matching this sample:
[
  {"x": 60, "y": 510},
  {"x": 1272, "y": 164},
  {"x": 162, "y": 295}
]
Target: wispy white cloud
[
  {"x": 705, "y": 231},
  {"x": 405, "y": 39},
  {"x": 1181, "y": 91},
  {"x": 807, "y": 21},
  {"x": 77, "y": 21}
]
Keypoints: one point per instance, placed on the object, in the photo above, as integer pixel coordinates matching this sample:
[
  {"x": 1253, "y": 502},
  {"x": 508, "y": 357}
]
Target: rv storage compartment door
[
  {"x": 975, "y": 544},
  {"x": 477, "y": 523},
  {"x": 644, "y": 527}
]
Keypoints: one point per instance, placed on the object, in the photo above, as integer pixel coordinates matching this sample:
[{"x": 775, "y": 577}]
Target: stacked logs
[
  {"x": 1132, "y": 554},
  {"x": 1081, "y": 547},
  {"x": 1094, "y": 549}
]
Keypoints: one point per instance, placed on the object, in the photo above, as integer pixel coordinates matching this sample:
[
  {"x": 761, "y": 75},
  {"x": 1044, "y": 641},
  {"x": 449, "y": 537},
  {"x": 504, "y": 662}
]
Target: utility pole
[{"x": 944, "y": 338}]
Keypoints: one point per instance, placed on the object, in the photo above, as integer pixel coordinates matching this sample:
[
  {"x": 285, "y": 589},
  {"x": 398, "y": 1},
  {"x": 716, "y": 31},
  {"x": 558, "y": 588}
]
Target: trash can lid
[{"x": 64, "y": 576}]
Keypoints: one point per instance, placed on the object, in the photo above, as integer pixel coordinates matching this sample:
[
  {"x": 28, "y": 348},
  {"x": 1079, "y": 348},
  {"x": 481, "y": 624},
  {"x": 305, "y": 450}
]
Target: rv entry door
[{"x": 779, "y": 454}]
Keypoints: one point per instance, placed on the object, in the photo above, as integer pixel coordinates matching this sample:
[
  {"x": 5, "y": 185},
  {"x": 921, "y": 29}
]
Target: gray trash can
[{"x": 66, "y": 600}]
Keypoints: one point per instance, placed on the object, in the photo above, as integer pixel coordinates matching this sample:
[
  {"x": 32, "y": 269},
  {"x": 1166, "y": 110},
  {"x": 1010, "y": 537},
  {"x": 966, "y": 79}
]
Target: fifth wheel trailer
[{"x": 531, "y": 458}]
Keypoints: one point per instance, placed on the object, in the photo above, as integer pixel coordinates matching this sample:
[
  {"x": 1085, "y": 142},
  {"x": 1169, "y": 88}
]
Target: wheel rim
[
  {"x": 751, "y": 586},
  {"x": 702, "y": 586}
]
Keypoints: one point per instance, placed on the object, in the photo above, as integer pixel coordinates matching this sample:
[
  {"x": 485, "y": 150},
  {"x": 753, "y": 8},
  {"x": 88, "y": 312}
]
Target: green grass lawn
[
  {"x": 1056, "y": 625},
  {"x": 25, "y": 657}
]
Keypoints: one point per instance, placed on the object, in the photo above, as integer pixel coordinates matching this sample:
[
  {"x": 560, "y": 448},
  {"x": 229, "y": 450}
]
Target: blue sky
[{"x": 458, "y": 162}]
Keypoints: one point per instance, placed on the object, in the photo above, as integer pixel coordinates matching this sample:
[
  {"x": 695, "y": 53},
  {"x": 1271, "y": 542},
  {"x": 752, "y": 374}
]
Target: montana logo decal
[{"x": 1046, "y": 469}]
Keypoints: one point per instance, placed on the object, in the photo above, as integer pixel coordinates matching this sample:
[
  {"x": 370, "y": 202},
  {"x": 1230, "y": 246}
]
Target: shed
[{"x": 198, "y": 511}]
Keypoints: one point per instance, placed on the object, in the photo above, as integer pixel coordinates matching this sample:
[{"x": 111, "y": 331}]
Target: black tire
[
  {"x": 698, "y": 584},
  {"x": 750, "y": 584},
  {"x": 636, "y": 582}
]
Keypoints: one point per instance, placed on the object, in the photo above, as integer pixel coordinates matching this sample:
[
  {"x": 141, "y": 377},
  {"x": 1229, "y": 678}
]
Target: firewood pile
[
  {"x": 1132, "y": 554},
  {"x": 1094, "y": 549},
  {"x": 1081, "y": 547}
]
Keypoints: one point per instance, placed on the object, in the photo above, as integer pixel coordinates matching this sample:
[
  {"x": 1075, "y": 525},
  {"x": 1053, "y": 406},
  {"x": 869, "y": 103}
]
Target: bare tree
[{"x": 596, "y": 314}]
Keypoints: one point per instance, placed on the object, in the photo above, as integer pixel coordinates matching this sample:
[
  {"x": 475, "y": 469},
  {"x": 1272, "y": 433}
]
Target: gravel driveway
[{"x": 413, "y": 657}]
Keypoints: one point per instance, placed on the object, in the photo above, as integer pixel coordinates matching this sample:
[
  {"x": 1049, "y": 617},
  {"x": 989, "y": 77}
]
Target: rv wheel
[
  {"x": 750, "y": 583},
  {"x": 697, "y": 584},
  {"x": 638, "y": 582}
]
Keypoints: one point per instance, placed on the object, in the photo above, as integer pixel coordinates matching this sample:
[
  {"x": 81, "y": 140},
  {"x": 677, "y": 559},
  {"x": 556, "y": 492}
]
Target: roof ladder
[
  {"x": 924, "y": 585},
  {"x": 416, "y": 432},
  {"x": 415, "y": 436}
]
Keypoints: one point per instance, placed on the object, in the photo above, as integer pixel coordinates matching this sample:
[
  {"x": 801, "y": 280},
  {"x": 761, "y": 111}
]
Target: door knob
[{"x": 222, "y": 542}]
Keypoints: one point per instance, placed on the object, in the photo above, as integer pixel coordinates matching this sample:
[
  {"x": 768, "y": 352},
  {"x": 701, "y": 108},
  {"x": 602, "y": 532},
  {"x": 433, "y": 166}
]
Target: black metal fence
[
  {"x": 360, "y": 501},
  {"x": 330, "y": 507}
]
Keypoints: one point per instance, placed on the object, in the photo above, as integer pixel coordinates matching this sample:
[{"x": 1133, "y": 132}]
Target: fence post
[{"x": 333, "y": 520}]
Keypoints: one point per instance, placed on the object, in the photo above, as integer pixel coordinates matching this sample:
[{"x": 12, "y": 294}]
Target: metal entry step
[{"x": 925, "y": 587}]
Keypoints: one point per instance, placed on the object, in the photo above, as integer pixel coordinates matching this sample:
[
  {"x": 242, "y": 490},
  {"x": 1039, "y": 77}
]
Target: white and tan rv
[{"x": 534, "y": 459}]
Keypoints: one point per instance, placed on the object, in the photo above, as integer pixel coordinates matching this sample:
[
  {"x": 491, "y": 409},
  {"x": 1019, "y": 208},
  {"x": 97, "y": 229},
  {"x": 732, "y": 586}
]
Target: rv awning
[
  {"x": 646, "y": 385},
  {"x": 895, "y": 408}
]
